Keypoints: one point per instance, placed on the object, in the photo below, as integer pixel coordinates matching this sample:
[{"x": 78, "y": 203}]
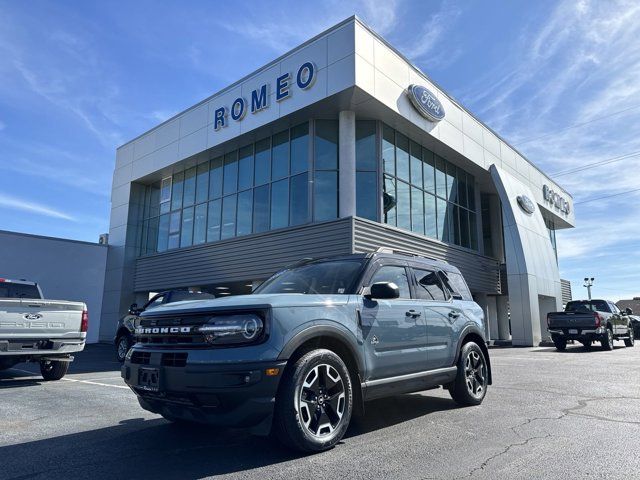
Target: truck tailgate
[
  {"x": 572, "y": 320},
  {"x": 27, "y": 318}
]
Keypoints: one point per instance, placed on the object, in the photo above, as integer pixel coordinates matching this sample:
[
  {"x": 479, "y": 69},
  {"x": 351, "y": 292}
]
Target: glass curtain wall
[
  {"x": 425, "y": 194},
  {"x": 366, "y": 170}
]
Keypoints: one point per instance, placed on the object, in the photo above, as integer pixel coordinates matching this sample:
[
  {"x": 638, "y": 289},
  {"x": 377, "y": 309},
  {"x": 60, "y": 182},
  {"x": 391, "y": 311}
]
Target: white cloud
[
  {"x": 433, "y": 32},
  {"x": 15, "y": 203}
]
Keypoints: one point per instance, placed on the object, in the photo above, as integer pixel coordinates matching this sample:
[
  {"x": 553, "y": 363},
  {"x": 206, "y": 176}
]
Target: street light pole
[{"x": 588, "y": 282}]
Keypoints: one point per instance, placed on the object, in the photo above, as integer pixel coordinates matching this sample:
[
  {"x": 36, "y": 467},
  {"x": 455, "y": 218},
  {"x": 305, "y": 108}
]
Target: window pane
[
  {"x": 174, "y": 223},
  {"x": 462, "y": 188},
  {"x": 473, "y": 231},
  {"x": 229, "y": 216},
  {"x": 176, "y": 194},
  {"x": 213, "y": 221},
  {"x": 174, "y": 241},
  {"x": 200, "y": 224},
  {"x": 367, "y": 195},
  {"x": 326, "y": 145},
  {"x": 429, "y": 286},
  {"x": 263, "y": 161},
  {"x": 163, "y": 233},
  {"x": 215, "y": 178},
  {"x": 202, "y": 182},
  {"x": 230, "y": 183},
  {"x": 388, "y": 150},
  {"x": 245, "y": 168},
  {"x": 366, "y": 145},
  {"x": 261, "y": 209},
  {"x": 452, "y": 184},
  {"x": 300, "y": 148},
  {"x": 165, "y": 190},
  {"x": 280, "y": 204},
  {"x": 402, "y": 157},
  {"x": 397, "y": 275},
  {"x": 186, "y": 234},
  {"x": 280, "y": 155},
  {"x": 299, "y": 200},
  {"x": 455, "y": 222},
  {"x": 143, "y": 237},
  {"x": 404, "y": 206},
  {"x": 245, "y": 214},
  {"x": 152, "y": 235},
  {"x": 325, "y": 198},
  {"x": 154, "y": 200},
  {"x": 417, "y": 210},
  {"x": 471, "y": 195},
  {"x": 464, "y": 228},
  {"x": 441, "y": 177},
  {"x": 416, "y": 165},
  {"x": 430, "y": 216},
  {"x": 428, "y": 171},
  {"x": 189, "y": 187},
  {"x": 389, "y": 200},
  {"x": 443, "y": 225}
]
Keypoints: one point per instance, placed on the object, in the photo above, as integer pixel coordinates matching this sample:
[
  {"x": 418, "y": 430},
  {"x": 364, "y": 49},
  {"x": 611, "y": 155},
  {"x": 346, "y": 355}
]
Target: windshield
[
  {"x": 18, "y": 290},
  {"x": 586, "y": 306},
  {"x": 330, "y": 277}
]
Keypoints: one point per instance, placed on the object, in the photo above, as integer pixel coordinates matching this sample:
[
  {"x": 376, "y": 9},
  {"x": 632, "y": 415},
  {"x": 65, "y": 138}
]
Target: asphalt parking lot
[{"x": 548, "y": 415}]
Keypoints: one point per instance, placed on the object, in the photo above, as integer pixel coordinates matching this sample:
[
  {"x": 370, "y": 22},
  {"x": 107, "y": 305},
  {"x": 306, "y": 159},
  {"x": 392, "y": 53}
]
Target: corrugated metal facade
[
  {"x": 481, "y": 273},
  {"x": 565, "y": 285},
  {"x": 256, "y": 257}
]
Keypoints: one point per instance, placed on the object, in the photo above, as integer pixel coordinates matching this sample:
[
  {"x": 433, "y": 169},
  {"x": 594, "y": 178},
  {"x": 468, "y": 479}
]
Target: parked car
[
  {"x": 311, "y": 345},
  {"x": 590, "y": 321},
  {"x": 33, "y": 329},
  {"x": 126, "y": 325},
  {"x": 635, "y": 321}
]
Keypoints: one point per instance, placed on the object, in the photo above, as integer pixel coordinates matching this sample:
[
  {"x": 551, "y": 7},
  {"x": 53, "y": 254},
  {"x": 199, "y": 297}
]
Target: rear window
[
  {"x": 17, "y": 290},
  {"x": 457, "y": 284},
  {"x": 586, "y": 306}
]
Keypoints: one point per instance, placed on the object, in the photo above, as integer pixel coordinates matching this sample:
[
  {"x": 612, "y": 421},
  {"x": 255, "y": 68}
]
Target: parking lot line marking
[{"x": 33, "y": 374}]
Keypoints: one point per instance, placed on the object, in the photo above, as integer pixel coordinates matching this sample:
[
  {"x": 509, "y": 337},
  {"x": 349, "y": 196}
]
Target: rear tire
[
  {"x": 586, "y": 345},
  {"x": 314, "y": 403},
  {"x": 470, "y": 386},
  {"x": 607, "y": 340},
  {"x": 560, "y": 343},
  {"x": 629, "y": 342},
  {"x": 53, "y": 369}
]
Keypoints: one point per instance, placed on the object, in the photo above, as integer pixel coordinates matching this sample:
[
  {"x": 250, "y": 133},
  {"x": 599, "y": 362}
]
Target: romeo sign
[{"x": 259, "y": 100}]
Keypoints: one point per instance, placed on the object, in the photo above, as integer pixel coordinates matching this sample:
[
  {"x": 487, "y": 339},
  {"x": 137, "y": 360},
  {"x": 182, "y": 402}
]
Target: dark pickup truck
[{"x": 590, "y": 321}]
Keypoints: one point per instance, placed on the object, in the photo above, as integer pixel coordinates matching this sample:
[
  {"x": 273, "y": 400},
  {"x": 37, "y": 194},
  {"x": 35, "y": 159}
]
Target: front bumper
[
  {"x": 580, "y": 334},
  {"x": 228, "y": 395}
]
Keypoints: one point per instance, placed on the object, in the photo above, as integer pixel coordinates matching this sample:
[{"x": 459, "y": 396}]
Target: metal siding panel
[
  {"x": 481, "y": 273},
  {"x": 244, "y": 258}
]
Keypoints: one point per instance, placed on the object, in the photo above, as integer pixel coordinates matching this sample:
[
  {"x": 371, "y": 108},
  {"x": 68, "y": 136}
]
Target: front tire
[
  {"x": 470, "y": 386},
  {"x": 53, "y": 369},
  {"x": 560, "y": 343},
  {"x": 314, "y": 403},
  {"x": 607, "y": 340},
  {"x": 630, "y": 342},
  {"x": 123, "y": 344}
]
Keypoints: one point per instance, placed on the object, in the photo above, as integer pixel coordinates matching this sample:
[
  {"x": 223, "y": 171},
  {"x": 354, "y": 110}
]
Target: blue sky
[{"x": 559, "y": 80}]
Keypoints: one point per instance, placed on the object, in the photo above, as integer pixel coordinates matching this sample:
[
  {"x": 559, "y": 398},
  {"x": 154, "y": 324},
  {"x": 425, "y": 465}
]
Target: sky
[{"x": 559, "y": 80}]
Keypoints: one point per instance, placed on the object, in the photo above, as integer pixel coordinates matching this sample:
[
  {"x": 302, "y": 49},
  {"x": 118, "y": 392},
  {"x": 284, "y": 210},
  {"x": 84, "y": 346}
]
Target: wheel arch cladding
[{"x": 471, "y": 335}]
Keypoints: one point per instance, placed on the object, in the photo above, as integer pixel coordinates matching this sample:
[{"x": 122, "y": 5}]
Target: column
[{"x": 347, "y": 163}]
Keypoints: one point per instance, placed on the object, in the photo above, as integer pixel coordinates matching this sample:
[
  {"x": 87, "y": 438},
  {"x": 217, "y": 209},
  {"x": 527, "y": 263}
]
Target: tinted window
[
  {"x": 331, "y": 277},
  {"x": 457, "y": 284},
  {"x": 325, "y": 191},
  {"x": 326, "y": 145},
  {"x": 16, "y": 290},
  {"x": 429, "y": 285},
  {"x": 155, "y": 302},
  {"x": 587, "y": 306},
  {"x": 394, "y": 274}
]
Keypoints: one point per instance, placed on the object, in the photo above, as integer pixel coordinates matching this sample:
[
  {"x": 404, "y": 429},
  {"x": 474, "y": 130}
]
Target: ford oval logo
[
  {"x": 426, "y": 103},
  {"x": 32, "y": 316},
  {"x": 526, "y": 204}
]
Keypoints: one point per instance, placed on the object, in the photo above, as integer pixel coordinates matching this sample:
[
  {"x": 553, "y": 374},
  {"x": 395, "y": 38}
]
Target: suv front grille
[
  {"x": 174, "y": 359},
  {"x": 141, "y": 358}
]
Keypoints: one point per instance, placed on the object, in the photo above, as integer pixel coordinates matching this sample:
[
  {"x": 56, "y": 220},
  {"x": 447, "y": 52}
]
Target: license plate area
[
  {"x": 573, "y": 331},
  {"x": 149, "y": 379}
]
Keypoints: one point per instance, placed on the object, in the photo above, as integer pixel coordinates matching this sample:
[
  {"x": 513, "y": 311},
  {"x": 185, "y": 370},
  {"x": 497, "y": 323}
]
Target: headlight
[{"x": 233, "y": 329}]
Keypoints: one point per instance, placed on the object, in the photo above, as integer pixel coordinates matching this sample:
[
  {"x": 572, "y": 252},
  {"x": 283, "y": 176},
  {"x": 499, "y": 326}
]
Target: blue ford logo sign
[
  {"x": 32, "y": 316},
  {"x": 426, "y": 103},
  {"x": 526, "y": 204}
]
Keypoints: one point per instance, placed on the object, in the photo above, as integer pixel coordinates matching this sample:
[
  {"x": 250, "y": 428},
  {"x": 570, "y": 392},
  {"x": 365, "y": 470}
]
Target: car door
[
  {"x": 440, "y": 316},
  {"x": 394, "y": 331}
]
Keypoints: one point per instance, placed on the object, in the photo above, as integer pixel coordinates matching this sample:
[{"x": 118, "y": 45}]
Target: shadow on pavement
[
  {"x": 577, "y": 348},
  {"x": 140, "y": 448}
]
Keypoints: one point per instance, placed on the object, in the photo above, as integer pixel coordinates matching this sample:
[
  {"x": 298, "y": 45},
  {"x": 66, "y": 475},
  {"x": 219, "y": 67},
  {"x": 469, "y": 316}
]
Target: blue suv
[{"x": 311, "y": 345}]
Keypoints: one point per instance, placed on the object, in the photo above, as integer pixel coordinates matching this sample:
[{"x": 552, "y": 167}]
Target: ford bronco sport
[{"x": 311, "y": 345}]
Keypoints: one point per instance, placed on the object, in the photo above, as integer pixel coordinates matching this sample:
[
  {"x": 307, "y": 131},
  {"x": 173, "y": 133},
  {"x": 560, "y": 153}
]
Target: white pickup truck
[{"x": 33, "y": 329}]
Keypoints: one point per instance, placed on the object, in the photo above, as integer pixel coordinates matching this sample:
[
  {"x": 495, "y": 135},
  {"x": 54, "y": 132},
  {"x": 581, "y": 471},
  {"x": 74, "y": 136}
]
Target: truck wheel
[
  {"x": 123, "y": 344},
  {"x": 53, "y": 370},
  {"x": 586, "y": 345},
  {"x": 470, "y": 385},
  {"x": 607, "y": 340},
  {"x": 629, "y": 342},
  {"x": 560, "y": 343},
  {"x": 314, "y": 403}
]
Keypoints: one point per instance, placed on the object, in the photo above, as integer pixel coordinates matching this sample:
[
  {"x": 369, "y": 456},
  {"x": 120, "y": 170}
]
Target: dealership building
[{"x": 339, "y": 146}]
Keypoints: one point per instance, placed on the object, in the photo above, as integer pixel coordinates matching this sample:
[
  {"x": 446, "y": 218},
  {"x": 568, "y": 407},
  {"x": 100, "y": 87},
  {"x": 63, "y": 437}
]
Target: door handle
[
  {"x": 453, "y": 314},
  {"x": 413, "y": 314}
]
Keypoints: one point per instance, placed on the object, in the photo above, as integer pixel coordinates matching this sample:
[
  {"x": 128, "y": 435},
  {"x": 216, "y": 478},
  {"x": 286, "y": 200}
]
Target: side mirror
[
  {"x": 628, "y": 311},
  {"x": 133, "y": 309},
  {"x": 384, "y": 290}
]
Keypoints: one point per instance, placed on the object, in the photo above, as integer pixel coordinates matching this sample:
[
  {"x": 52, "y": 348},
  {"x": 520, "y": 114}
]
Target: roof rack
[{"x": 404, "y": 252}]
